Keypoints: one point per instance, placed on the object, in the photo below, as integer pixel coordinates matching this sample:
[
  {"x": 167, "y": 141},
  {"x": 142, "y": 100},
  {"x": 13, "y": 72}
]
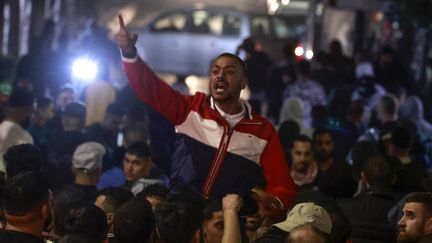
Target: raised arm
[
  {"x": 146, "y": 85},
  {"x": 231, "y": 205}
]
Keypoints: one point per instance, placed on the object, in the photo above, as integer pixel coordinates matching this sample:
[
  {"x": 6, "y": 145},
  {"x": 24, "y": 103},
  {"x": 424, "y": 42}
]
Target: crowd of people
[{"x": 328, "y": 151}]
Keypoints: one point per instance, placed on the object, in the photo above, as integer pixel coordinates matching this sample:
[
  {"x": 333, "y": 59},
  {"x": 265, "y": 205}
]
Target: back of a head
[
  {"x": 87, "y": 220},
  {"x": 43, "y": 102},
  {"x": 174, "y": 222},
  {"x": 21, "y": 158},
  {"x": 21, "y": 98},
  {"x": 379, "y": 171},
  {"x": 75, "y": 110},
  {"x": 307, "y": 233},
  {"x": 137, "y": 133},
  {"x": 23, "y": 192},
  {"x": 115, "y": 197},
  {"x": 134, "y": 221}
]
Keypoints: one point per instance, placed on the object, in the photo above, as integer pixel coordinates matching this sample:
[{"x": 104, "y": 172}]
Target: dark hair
[
  {"x": 301, "y": 138},
  {"x": 43, "y": 102},
  {"x": 134, "y": 221},
  {"x": 139, "y": 149},
  {"x": 23, "y": 192},
  {"x": 320, "y": 131},
  {"x": 75, "y": 109},
  {"x": 115, "y": 197},
  {"x": 116, "y": 109},
  {"x": 211, "y": 207},
  {"x": 174, "y": 221},
  {"x": 23, "y": 157},
  {"x": 158, "y": 190},
  {"x": 425, "y": 198},
  {"x": 237, "y": 58},
  {"x": 379, "y": 171},
  {"x": 88, "y": 220},
  {"x": 20, "y": 98}
]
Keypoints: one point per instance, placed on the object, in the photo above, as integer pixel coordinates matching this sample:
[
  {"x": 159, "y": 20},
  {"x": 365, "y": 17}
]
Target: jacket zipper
[{"x": 211, "y": 177}]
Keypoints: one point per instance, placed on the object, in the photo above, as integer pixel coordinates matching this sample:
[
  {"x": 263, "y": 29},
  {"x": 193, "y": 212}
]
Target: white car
[{"x": 185, "y": 41}]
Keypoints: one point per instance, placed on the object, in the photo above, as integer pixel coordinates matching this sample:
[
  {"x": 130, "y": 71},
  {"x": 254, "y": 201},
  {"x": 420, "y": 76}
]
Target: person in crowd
[
  {"x": 280, "y": 76},
  {"x": 340, "y": 65},
  {"x": 12, "y": 132},
  {"x": 106, "y": 132},
  {"x": 87, "y": 168},
  {"x": 335, "y": 176},
  {"x": 412, "y": 110},
  {"x": 140, "y": 170},
  {"x": 221, "y": 221},
  {"x": 309, "y": 91},
  {"x": 368, "y": 210},
  {"x": 109, "y": 200},
  {"x": 210, "y": 129},
  {"x": 390, "y": 72},
  {"x": 134, "y": 222},
  {"x": 304, "y": 168},
  {"x": 176, "y": 221},
  {"x": 43, "y": 114},
  {"x": 287, "y": 131},
  {"x": 299, "y": 111},
  {"x": 155, "y": 194},
  {"x": 64, "y": 98},
  {"x": 59, "y": 154},
  {"x": 258, "y": 63},
  {"x": 306, "y": 233},
  {"x": 416, "y": 222},
  {"x": 387, "y": 110},
  {"x": 368, "y": 92},
  {"x": 27, "y": 208},
  {"x": 410, "y": 171},
  {"x": 21, "y": 158},
  {"x": 307, "y": 214},
  {"x": 84, "y": 224}
]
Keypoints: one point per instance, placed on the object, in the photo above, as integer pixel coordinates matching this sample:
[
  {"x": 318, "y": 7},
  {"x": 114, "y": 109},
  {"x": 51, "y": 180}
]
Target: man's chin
[{"x": 403, "y": 238}]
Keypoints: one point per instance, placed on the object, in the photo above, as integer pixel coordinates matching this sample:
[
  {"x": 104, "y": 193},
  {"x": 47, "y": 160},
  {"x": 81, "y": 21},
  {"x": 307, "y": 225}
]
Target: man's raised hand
[{"x": 126, "y": 40}]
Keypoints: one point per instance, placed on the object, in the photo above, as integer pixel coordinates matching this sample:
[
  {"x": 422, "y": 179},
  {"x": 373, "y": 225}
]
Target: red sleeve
[
  {"x": 276, "y": 172},
  {"x": 155, "y": 92}
]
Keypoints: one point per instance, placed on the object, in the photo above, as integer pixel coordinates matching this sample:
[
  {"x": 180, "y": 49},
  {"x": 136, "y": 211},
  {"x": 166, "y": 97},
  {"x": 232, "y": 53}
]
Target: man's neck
[
  {"x": 25, "y": 228},
  {"x": 85, "y": 181},
  {"x": 230, "y": 108}
]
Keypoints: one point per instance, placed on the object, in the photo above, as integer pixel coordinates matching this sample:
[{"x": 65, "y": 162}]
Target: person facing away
[
  {"x": 27, "y": 208},
  {"x": 18, "y": 111},
  {"x": 416, "y": 222},
  {"x": 222, "y": 146},
  {"x": 109, "y": 200},
  {"x": 87, "y": 168}
]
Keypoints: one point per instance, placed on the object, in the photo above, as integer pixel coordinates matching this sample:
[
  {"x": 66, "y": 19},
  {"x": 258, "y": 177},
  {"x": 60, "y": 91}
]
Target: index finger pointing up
[{"x": 121, "y": 22}]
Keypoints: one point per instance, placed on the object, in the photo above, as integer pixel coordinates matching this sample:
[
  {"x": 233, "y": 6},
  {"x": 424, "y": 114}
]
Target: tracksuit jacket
[{"x": 210, "y": 158}]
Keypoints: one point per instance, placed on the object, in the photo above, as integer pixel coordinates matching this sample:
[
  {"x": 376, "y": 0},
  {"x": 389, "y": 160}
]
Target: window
[
  {"x": 172, "y": 22},
  {"x": 232, "y": 25},
  {"x": 260, "y": 26}
]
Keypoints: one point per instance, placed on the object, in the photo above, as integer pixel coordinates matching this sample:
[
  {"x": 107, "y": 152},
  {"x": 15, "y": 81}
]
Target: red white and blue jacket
[{"x": 210, "y": 158}]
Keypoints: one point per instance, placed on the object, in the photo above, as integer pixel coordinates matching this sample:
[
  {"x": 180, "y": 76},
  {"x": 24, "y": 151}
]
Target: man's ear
[
  {"x": 244, "y": 83},
  {"x": 364, "y": 179},
  {"x": 428, "y": 226}
]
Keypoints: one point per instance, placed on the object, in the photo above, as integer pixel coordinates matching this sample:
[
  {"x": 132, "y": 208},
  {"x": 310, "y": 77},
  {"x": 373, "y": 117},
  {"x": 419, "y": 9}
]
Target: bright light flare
[
  {"x": 285, "y": 2},
  {"x": 84, "y": 69},
  {"x": 299, "y": 51},
  {"x": 309, "y": 54}
]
